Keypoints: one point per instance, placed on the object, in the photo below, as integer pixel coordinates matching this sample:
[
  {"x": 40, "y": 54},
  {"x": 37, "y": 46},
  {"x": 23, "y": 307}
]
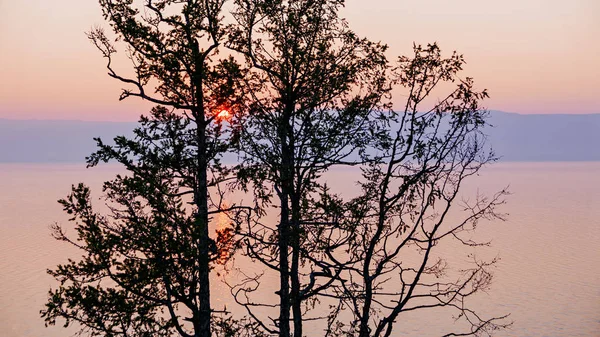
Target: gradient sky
[{"x": 534, "y": 56}]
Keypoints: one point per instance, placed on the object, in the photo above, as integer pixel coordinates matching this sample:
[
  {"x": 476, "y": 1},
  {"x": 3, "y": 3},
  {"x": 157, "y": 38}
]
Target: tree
[
  {"x": 153, "y": 252},
  {"x": 315, "y": 89},
  {"x": 315, "y": 98},
  {"x": 386, "y": 239}
]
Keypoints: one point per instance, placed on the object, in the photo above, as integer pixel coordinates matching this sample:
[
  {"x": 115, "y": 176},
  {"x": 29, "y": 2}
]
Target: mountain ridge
[{"x": 513, "y": 136}]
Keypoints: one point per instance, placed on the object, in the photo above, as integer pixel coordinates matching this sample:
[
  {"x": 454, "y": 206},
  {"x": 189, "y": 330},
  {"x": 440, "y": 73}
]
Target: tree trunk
[
  {"x": 204, "y": 242},
  {"x": 201, "y": 195},
  {"x": 284, "y": 276},
  {"x": 284, "y": 230},
  {"x": 295, "y": 272}
]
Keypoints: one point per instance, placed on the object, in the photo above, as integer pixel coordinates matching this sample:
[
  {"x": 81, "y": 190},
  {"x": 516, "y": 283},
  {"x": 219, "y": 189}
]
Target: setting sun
[{"x": 224, "y": 114}]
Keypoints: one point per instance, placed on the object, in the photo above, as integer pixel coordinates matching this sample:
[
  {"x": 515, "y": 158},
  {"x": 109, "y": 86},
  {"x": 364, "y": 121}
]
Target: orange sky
[{"x": 534, "y": 56}]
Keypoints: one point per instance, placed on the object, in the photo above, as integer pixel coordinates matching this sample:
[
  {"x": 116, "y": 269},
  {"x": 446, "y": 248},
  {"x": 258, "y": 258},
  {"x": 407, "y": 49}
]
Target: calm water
[{"x": 548, "y": 278}]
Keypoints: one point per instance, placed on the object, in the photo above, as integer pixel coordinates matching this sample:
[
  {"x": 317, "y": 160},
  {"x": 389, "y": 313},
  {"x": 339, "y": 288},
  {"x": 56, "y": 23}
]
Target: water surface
[{"x": 548, "y": 277}]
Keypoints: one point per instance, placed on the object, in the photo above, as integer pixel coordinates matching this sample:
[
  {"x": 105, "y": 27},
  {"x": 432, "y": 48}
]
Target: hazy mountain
[
  {"x": 514, "y": 137},
  {"x": 39, "y": 141},
  {"x": 517, "y": 137}
]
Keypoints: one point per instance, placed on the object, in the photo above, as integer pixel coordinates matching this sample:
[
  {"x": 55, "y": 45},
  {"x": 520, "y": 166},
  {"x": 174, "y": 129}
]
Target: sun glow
[
  {"x": 224, "y": 114},
  {"x": 224, "y": 232}
]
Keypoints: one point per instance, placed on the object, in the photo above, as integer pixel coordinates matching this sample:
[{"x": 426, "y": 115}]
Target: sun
[{"x": 224, "y": 114}]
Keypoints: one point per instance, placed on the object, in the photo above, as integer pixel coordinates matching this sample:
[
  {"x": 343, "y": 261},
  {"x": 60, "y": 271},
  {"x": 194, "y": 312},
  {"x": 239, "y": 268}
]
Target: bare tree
[{"x": 386, "y": 240}]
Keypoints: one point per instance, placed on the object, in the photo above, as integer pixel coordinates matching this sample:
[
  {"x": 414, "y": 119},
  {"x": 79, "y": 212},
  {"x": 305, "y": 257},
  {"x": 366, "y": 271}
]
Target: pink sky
[{"x": 534, "y": 56}]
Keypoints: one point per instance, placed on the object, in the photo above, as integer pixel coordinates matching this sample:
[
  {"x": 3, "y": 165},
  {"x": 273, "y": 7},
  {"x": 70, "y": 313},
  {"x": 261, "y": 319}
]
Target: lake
[{"x": 548, "y": 277}]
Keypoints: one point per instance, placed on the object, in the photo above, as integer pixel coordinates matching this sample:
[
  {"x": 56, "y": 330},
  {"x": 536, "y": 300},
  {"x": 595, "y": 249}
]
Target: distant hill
[
  {"x": 517, "y": 137},
  {"x": 514, "y": 137},
  {"x": 55, "y": 141}
]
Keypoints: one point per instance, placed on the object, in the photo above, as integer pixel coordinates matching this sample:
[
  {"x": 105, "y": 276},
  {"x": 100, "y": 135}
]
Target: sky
[{"x": 533, "y": 56}]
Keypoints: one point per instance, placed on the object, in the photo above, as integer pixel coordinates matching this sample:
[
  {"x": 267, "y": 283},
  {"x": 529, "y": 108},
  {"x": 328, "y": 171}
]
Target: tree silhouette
[
  {"x": 313, "y": 96},
  {"x": 171, "y": 45},
  {"x": 384, "y": 243},
  {"x": 318, "y": 85}
]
